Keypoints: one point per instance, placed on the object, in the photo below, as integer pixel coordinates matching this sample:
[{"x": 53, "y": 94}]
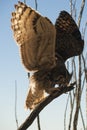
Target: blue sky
[{"x": 11, "y": 69}]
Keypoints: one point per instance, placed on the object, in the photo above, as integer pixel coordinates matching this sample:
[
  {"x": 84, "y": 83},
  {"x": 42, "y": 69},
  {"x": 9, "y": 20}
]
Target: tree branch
[
  {"x": 38, "y": 122},
  {"x": 56, "y": 93},
  {"x": 25, "y": 1},
  {"x": 81, "y": 12},
  {"x": 16, "y": 104},
  {"x": 65, "y": 113},
  {"x": 36, "y": 4}
]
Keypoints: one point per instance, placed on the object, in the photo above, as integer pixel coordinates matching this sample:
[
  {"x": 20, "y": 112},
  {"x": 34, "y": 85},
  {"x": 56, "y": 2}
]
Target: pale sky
[{"x": 11, "y": 69}]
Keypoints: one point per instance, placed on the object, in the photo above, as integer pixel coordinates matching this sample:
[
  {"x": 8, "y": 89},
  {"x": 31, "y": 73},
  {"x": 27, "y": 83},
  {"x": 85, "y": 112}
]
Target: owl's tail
[{"x": 35, "y": 94}]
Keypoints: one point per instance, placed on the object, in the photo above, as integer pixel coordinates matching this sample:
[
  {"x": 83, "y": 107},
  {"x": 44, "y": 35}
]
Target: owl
[{"x": 44, "y": 49}]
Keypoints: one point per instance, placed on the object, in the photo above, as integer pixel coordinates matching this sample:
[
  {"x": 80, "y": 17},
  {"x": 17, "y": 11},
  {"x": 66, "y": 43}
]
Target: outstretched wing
[
  {"x": 68, "y": 37},
  {"x": 35, "y": 36}
]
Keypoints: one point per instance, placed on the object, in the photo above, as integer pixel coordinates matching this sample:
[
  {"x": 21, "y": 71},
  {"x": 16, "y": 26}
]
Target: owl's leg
[{"x": 50, "y": 90}]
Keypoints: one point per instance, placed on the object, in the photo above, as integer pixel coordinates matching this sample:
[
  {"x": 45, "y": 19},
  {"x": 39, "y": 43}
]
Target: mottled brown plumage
[
  {"x": 68, "y": 37},
  {"x": 44, "y": 48}
]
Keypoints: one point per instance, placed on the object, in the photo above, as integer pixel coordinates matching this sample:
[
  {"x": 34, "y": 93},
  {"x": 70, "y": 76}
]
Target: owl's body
[{"x": 44, "y": 48}]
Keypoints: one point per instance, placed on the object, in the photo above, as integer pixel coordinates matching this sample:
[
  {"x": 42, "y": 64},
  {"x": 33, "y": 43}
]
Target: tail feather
[{"x": 35, "y": 94}]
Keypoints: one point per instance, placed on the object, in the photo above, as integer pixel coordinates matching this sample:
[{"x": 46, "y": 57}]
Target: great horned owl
[{"x": 44, "y": 48}]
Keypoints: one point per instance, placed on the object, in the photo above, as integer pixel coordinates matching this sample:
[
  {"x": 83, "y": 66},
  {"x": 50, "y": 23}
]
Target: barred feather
[{"x": 44, "y": 48}]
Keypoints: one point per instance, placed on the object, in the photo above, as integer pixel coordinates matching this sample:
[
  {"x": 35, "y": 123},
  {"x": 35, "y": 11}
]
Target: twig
[
  {"x": 25, "y": 1},
  {"x": 36, "y": 4},
  {"x": 38, "y": 122},
  {"x": 16, "y": 104},
  {"x": 84, "y": 30},
  {"x": 71, "y": 7},
  {"x": 72, "y": 98},
  {"x": 78, "y": 98},
  {"x": 82, "y": 118},
  {"x": 81, "y": 12},
  {"x": 65, "y": 113},
  {"x": 59, "y": 91},
  {"x": 71, "y": 113},
  {"x": 85, "y": 71},
  {"x": 86, "y": 94}
]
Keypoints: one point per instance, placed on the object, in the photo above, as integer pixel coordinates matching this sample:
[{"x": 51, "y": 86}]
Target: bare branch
[
  {"x": 72, "y": 97},
  {"x": 71, "y": 113},
  {"x": 38, "y": 122},
  {"x": 84, "y": 30},
  {"x": 85, "y": 71},
  {"x": 56, "y": 93},
  {"x": 82, "y": 118},
  {"x": 36, "y": 4},
  {"x": 65, "y": 113},
  {"x": 25, "y": 1},
  {"x": 71, "y": 7},
  {"x": 78, "y": 97},
  {"x": 81, "y": 12},
  {"x": 16, "y": 104},
  {"x": 86, "y": 93}
]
